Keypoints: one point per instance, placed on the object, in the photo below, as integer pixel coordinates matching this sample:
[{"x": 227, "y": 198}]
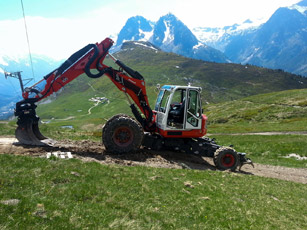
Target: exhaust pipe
[{"x": 27, "y": 131}]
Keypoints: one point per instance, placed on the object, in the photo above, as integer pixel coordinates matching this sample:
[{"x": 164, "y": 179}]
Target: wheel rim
[
  {"x": 228, "y": 160},
  {"x": 123, "y": 136}
]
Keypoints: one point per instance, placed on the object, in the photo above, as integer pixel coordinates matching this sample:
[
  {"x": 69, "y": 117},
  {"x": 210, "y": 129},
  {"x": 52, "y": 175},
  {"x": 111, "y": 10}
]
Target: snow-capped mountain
[
  {"x": 219, "y": 38},
  {"x": 280, "y": 43},
  {"x": 136, "y": 29},
  {"x": 169, "y": 34}
]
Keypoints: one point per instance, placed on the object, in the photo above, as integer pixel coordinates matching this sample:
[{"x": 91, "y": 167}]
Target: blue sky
[
  {"x": 228, "y": 9},
  {"x": 57, "y": 28},
  {"x": 11, "y": 9}
]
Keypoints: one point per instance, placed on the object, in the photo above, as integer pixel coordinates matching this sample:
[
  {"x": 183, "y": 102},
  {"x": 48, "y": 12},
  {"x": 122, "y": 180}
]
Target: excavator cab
[{"x": 179, "y": 111}]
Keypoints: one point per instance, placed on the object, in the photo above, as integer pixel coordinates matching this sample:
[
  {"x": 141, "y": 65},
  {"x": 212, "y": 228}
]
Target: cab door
[
  {"x": 161, "y": 108},
  {"x": 193, "y": 110}
]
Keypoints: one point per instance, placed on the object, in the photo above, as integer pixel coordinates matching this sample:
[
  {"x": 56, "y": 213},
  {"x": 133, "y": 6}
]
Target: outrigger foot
[{"x": 244, "y": 161}]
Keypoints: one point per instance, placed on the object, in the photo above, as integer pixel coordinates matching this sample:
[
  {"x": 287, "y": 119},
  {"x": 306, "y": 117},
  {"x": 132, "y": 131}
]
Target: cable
[{"x": 24, "y": 18}]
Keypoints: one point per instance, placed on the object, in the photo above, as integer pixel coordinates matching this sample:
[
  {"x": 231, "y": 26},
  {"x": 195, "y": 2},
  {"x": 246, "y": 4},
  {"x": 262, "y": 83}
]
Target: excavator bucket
[
  {"x": 29, "y": 134},
  {"x": 27, "y": 131}
]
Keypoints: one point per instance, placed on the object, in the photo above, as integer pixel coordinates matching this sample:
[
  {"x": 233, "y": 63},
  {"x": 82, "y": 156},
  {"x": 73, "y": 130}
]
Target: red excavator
[{"x": 176, "y": 123}]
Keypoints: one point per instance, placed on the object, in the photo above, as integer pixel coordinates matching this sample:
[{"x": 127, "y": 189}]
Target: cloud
[{"x": 58, "y": 38}]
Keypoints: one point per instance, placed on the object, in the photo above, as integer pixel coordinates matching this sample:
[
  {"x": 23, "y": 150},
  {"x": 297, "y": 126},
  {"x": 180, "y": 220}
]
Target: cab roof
[{"x": 172, "y": 87}]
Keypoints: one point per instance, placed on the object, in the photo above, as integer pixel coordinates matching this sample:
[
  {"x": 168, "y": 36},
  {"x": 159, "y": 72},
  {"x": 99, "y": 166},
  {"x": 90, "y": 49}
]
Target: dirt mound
[{"x": 93, "y": 151}]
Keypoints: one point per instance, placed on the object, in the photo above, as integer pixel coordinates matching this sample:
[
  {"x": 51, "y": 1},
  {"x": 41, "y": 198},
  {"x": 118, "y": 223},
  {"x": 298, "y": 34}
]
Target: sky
[{"x": 58, "y": 28}]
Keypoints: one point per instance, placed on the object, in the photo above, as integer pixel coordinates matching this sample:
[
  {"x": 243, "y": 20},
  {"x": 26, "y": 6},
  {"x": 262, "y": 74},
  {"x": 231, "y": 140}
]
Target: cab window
[{"x": 163, "y": 104}]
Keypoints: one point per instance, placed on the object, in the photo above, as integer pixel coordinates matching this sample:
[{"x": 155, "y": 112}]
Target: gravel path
[{"x": 93, "y": 151}]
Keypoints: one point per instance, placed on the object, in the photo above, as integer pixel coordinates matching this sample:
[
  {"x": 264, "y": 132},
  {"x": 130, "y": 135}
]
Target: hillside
[
  {"x": 220, "y": 82},
  {"x": 279, "y": 111}
]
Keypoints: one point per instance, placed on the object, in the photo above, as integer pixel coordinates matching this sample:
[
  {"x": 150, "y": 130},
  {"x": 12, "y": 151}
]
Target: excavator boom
[{"x": 88, "y": 60}]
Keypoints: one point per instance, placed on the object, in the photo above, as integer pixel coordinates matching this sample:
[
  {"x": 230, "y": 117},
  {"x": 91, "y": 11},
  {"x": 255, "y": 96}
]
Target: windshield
[{"x": 160, "y": 96}]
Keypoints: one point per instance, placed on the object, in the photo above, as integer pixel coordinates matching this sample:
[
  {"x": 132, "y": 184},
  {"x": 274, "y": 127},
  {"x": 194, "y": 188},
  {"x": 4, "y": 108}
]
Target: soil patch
[{"x": 93, "y": 151}]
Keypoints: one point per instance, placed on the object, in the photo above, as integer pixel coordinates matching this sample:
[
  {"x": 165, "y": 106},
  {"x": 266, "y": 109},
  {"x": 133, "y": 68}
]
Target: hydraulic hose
[{"x": 87, "y": 68}]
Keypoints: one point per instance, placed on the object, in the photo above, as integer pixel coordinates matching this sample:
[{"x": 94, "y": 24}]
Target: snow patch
[
  {"x": 301, "y": 9},
  {"x": 198, "y": 45},
  {"x": 212, "y": 35},
  {"x": 168, "y": 37},
  {"x": 147, "y": 35},
  {"x": 296, "y": 156},
  {"x": 141, "y": 44}
]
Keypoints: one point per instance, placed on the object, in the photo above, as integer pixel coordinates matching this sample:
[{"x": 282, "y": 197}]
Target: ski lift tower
[{"x": 23, "y": 82}]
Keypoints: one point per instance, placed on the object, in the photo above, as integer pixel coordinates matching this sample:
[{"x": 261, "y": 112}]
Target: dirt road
[{"x": 93, "y": 151}]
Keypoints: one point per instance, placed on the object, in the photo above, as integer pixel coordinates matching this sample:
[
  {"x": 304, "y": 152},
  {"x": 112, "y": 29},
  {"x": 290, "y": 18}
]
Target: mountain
[
  {"x": 136, "y": 29},
  {"x": 279, "y": 43},
  {"x": 219, "y": 38},
  {"x": 170, "y": 35}
]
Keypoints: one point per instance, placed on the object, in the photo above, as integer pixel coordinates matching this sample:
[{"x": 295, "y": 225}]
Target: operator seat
[{"x": 176, "y": 114}]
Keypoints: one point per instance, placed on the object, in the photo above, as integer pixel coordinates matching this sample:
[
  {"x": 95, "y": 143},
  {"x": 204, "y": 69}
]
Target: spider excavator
[{"x": 176, "y": 123}]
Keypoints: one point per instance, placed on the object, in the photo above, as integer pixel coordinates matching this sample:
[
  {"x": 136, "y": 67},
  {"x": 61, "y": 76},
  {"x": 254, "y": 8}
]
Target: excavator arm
[{"x": 89, "y": 61}]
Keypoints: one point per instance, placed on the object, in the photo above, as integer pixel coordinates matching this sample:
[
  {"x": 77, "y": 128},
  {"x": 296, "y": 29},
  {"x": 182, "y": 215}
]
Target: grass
[
  {"x": 279, "y": 111},
  {"x": 70, "y": 194},
  {"x": 7, "y": 128}
]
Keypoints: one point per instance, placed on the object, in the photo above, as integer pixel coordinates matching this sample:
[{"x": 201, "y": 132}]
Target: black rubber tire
[
  {"x": 226, "y": 158},
  {"x": 122, "y": 134},
  {"x": 117, "y": 116}
]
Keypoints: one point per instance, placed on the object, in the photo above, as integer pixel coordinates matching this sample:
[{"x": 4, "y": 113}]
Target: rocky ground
[{"x": 93, "y": 151}]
